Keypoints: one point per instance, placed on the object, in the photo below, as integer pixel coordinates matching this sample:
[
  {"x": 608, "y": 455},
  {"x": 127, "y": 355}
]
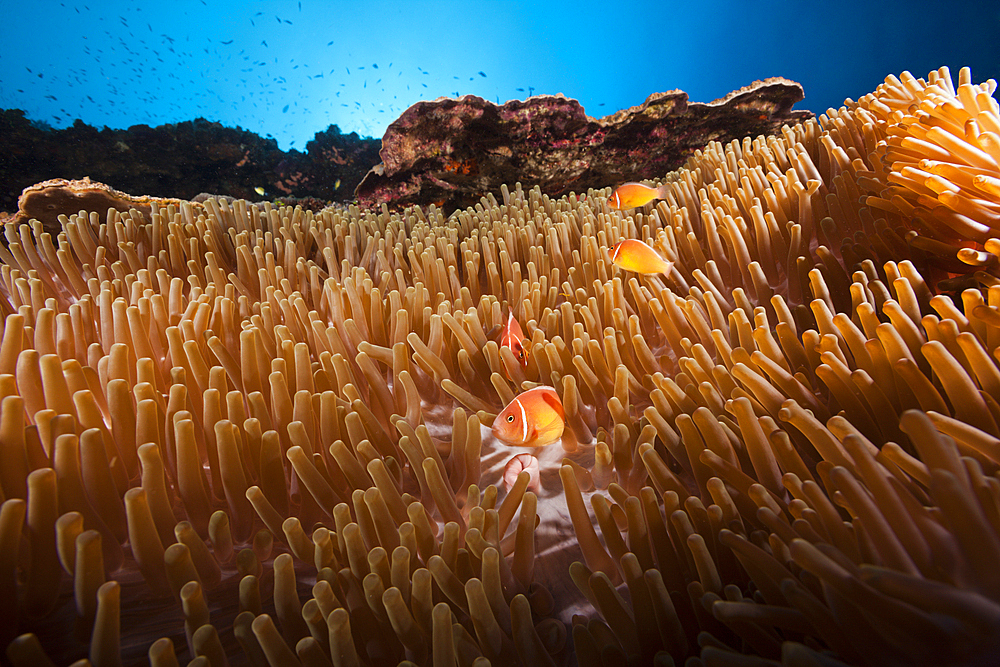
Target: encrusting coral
[{"x": 259, "y": 436}]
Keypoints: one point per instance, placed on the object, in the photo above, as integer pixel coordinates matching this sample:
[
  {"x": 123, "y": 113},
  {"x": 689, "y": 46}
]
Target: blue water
[{"x": 288, "y": 69}]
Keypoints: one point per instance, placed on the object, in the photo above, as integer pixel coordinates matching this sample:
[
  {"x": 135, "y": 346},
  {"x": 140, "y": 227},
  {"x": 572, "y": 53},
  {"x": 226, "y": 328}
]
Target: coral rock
[
  {"x": 48, "y": 200},
  {"x": 453, "y": 151}
]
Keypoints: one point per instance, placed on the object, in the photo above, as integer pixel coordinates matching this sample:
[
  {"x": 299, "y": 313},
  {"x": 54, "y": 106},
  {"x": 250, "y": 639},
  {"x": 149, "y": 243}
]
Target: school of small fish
[{"x": 240, "y": 76}]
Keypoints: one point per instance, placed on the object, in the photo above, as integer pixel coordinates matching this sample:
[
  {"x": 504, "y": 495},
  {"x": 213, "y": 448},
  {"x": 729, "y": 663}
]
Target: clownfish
[
  {"x": 633, "y": 195},
  {"x": 534, "y": 418},
  {"x": 511, "y": 336},
  {"x": 634, "y": 255}
]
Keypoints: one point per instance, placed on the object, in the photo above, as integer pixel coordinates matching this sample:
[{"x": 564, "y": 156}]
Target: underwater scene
[{"x": 456, "y": 334}]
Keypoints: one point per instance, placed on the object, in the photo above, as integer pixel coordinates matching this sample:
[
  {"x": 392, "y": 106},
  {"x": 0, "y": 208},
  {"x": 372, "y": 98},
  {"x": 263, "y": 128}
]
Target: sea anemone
[{"x": 258, "y": 434}]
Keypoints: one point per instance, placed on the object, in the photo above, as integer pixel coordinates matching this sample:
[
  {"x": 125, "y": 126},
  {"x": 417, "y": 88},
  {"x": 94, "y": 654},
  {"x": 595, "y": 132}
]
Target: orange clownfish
[
  {"x": 633, "y": 195},
  {"x": 634, "y": 255},
  {"x": 534, "y": 418}
]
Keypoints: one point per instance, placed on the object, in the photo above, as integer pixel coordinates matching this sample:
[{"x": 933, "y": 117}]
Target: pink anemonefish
[
  {"x": 511, "y": 336},
  {"x": 633, "y": 195},
  {"x": 534, "y": 418},
  {"x": 634, "y": 255}
]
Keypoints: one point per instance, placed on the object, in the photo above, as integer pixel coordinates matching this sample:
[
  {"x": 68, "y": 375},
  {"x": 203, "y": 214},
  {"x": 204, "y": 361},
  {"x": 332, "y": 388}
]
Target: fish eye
[{"x": 510, "y": 419}]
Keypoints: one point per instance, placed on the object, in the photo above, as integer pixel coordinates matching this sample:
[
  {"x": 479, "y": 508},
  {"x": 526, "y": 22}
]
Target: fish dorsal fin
[
  {"x": 510, "y": 313},
  {"x": 552, "y": 398}
]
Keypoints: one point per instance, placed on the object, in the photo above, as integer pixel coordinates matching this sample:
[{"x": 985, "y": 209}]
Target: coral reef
[
  {"x": 182, "y": 160},
  {"x": 48, "y": 200},
  {"x": 258, "y": 435},
  {"x": 451, "y": 152}
]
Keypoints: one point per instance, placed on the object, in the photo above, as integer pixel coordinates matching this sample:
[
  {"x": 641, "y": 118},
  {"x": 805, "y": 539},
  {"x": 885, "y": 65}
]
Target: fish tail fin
[
  {"x": 665, "y": 257},
  {"x": 663, "y": 191}
]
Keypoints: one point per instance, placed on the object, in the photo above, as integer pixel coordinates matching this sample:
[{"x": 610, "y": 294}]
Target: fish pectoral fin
[{"x": 547, "y": 431}]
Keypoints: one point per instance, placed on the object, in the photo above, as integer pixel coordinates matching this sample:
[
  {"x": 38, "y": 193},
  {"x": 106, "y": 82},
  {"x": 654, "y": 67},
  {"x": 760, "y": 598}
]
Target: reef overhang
[{"x": 452, "y": 151}]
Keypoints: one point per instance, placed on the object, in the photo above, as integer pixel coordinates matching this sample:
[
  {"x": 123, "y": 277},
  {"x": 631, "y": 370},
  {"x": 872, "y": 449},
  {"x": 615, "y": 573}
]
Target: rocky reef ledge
[{"x": 451, "y": 152}]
